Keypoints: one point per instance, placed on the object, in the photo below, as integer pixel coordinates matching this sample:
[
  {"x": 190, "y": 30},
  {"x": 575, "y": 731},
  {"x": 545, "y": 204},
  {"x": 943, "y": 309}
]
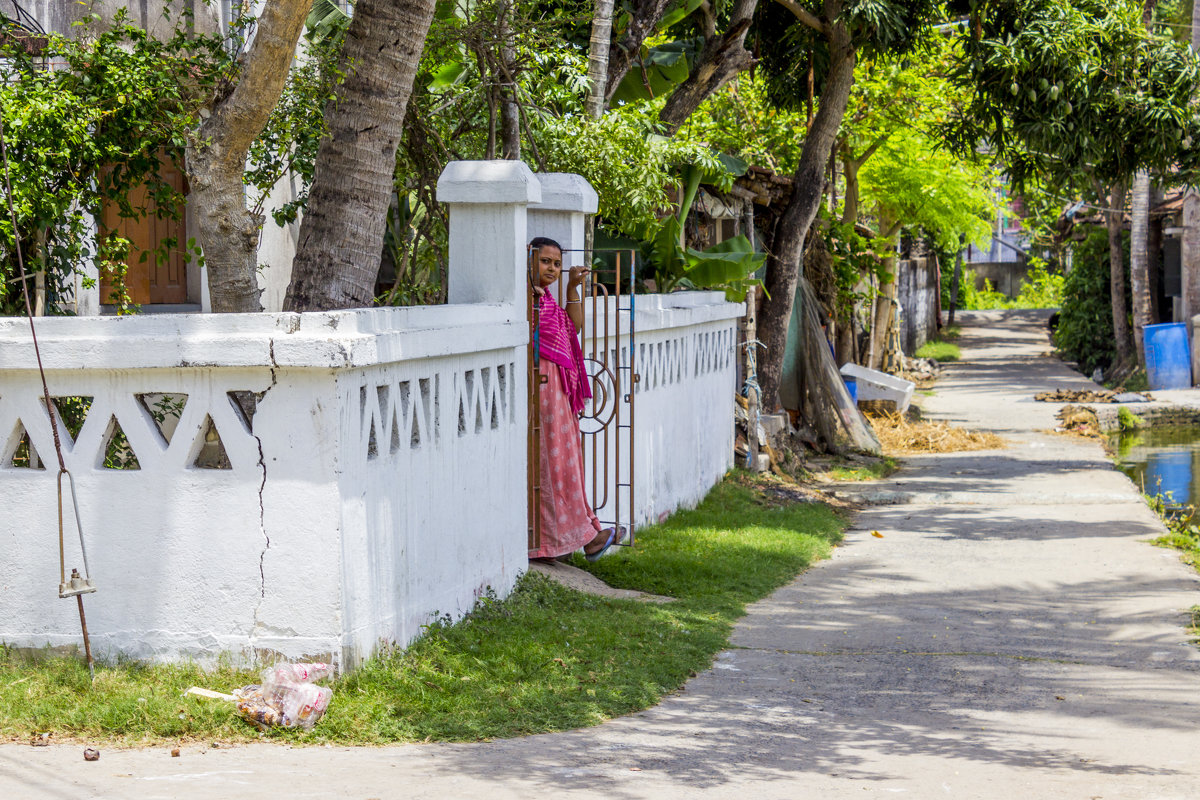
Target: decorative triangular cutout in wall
[
  {"x": 394, "y": 446},
  {"x": 24, "y": 455},
  {"x": 211, "y": 452},
  {"x": 165, "y": 410},
  {"x": 72, "y": 411},
  {"x": 118, "y": 453},
  {"x": 245, "y": 403}
]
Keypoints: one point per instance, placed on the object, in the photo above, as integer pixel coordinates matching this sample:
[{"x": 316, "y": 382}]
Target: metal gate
[{"x": 606, "y": 426}]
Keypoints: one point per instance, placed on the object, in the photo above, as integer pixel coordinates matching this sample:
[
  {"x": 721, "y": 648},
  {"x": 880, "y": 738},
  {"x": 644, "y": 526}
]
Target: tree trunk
[
  {"x": 1155, "y": 239},
  {"x": 510, "y": 112},
  {"x": 955, "y": 279},
  {"x": 783, "y": 267},
  {"x": 341, "y": 237},
  {"x": 850, "y": 169},
  {"x": 643, "y": 19},
  {"x": 881, "y": 320},
  {"x": 722, "y": 57},
  {"x": 216, "y": 159},
  {"x": 1190, "y": 246},
  {"x": 1139, "y": 261},
  {"x": 1113, "y": 219},
  {"x": 598, "y": 49}
]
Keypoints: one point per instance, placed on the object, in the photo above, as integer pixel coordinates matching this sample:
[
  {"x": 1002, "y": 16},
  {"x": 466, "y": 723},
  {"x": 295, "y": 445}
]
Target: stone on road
[{"x": 1011, "y": 634}]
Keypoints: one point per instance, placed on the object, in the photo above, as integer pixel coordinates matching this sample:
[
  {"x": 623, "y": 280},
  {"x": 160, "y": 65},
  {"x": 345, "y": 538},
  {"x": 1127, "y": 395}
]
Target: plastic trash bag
[{"x": 287, "y": 696}]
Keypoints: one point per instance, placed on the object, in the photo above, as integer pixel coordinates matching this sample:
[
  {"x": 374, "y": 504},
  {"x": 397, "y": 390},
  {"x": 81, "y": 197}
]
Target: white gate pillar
[{"x": 487, "y": 201}]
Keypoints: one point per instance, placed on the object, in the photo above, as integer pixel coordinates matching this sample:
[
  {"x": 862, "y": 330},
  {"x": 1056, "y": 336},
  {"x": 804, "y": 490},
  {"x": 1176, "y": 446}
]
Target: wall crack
[{"x": 262, "y": 510}]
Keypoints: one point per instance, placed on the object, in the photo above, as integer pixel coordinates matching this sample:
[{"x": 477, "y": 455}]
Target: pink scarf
[{"x": 559, "y": 343}]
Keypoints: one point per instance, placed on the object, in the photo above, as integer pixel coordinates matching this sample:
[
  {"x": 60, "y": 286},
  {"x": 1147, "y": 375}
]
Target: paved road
[{"x": 1011, "y": 635}]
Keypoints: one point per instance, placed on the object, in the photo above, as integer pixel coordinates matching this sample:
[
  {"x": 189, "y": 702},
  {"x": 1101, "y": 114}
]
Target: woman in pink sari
[{"x": 567, "y": 520}]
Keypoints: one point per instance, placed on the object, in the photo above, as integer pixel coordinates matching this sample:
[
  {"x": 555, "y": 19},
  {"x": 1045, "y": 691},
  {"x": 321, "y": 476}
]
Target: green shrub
[
  {"x": 1085, "y": 329},
  {"x": 974, "y": 299},
  {"x": 1128, "y": 420},
  {"x": 1042, "y": 287}
]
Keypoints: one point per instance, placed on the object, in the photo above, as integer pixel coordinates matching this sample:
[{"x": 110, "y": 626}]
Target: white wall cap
[
  {"x": 692, "y": 299},
  {"x": 485, "y": 182},
  {"x": 566, "y": 191},
  {"x": 325, "y": 340}
]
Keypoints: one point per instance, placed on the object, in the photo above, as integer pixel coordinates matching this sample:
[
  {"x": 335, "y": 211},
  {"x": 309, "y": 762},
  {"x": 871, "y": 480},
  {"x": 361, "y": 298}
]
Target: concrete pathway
[{"x": 1011, "y": 635}]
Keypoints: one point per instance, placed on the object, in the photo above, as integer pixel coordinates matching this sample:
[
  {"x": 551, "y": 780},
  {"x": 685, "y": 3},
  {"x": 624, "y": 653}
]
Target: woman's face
[{"x": 549, "y": 264}]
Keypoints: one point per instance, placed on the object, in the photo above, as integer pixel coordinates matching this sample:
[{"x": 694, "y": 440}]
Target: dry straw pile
[{"x": 899, "y": 435}]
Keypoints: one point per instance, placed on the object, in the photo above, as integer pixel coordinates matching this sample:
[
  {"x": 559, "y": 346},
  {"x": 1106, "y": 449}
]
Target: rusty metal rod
[{"x": 87, "y": 644}]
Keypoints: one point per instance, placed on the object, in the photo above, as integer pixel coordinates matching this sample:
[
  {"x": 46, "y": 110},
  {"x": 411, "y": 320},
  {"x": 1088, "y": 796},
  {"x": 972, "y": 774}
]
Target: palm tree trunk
[
  {"x": 598, "y": 49},
  {"x": 1139, "y": 261},
  {"x": 341, "y": 237},
  {"x": 1190, "y": 246}
]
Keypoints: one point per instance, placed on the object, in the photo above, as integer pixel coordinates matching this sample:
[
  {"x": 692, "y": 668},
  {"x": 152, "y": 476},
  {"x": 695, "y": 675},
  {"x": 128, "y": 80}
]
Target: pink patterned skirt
[{"x": 568, "y": 522}]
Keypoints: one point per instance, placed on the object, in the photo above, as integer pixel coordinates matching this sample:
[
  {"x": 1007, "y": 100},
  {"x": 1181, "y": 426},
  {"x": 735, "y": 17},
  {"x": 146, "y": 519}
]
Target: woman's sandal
[{"x": 612, "y": 539}]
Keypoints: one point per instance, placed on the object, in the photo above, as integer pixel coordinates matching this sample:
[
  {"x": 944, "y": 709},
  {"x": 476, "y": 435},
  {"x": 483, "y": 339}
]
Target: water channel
[{"x": 1163, "y": 461}]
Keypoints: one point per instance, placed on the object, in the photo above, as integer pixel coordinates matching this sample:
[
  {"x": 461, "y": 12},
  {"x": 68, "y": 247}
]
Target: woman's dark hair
[{"x": 539, "y": 242}]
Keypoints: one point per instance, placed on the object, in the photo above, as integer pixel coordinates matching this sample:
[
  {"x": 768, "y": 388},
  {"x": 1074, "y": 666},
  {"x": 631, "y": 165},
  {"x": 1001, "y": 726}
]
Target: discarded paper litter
[{"x": 286, "y": 698}]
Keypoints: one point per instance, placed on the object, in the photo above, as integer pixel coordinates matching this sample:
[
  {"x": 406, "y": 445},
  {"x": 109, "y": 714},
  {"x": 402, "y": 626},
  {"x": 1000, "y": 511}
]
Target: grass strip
[
  {"x": 870, "y": 471},
  {"x": 940, "y": 351},
  {"x": 546, "y": 658}
]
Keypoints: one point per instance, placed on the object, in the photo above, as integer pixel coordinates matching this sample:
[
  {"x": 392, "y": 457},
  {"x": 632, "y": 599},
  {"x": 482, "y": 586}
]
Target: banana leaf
[
  {"x": 729, "y": 265},
  {"x": 666, "y": 66},
  {"x": 324, "y": 21}
]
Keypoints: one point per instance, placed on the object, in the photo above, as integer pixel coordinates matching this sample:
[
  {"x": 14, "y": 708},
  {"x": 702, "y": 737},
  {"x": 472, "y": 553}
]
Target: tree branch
[
  {"x": 245, "y": 111},
  {"x": 804, "y": 15}
]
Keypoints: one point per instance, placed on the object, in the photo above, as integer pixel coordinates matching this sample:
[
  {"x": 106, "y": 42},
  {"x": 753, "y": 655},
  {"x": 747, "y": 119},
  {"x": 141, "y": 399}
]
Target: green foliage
[
  {"x": 1182, "y": 533},
  {"x": 1042, "y": 287},
  {"x": 877, "y": 28},
  {"x": 741, "y": 120},
  {"x": 1128, "y": 420},
  {"x": 873, "y": 470},
  {"x": 629, "y": 165},
  {"x": 974, "y": 299},
  {"x": 854, "y": 258},
  {"x": 1062, "y": 88},
  {"x": 81, "y": 136},
  {"x": 1085, "y": 332},
  {"x": 930, "y": 189},
  {"x": 1137, "y": 381},
  {"x": 546, "y": 658},
  {"x": 660, "y": 70},
  {"x": 727, "y": 265}
]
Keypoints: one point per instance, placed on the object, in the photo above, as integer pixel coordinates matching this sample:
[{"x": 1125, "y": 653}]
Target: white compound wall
[{"x": 374, "y": 461}]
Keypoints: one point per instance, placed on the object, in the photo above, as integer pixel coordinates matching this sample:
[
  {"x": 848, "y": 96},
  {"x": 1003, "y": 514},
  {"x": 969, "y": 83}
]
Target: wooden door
[{"x": 150, "y": 280}]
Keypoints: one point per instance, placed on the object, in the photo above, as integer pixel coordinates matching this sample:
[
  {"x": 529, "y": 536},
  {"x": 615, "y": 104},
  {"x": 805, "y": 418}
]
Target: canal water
[{"x": 1162, "y": 460}]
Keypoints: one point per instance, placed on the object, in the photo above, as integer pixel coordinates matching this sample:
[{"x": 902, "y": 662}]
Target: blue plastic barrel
[
  {"x": 852, "y": 387},
  {"x": 1168, "y": 359}
]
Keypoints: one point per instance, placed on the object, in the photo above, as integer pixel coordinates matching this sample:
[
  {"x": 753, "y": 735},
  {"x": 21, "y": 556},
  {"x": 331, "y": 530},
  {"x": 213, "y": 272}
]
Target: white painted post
[
  {"x": 567, "y": 199},
  {"x": 487, "y": 202}
]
